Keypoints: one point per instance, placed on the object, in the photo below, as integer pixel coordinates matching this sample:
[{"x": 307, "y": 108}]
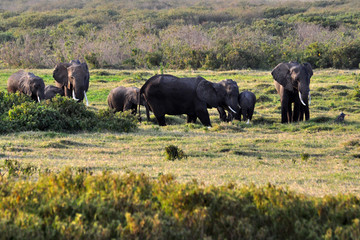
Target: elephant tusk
[
  {"x": 309, "y": 98},
  {"x": 38, "y": 98},
  {"x": 231, "y": 109},
  {"x": 87, "y": 102},
  {"x": 73, "y": 95},
  {"x": 301, "y": 99},
  {"x": 248, "y": 121}
]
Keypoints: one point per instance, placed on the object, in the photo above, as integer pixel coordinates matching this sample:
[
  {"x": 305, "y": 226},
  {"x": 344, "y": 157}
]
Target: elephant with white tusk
[
  {"x": 292, "y": 82},
  {"x": 73, "y": 78},
  {"x": 167, "y": 94},
  {"x": 27, "y": 83}
]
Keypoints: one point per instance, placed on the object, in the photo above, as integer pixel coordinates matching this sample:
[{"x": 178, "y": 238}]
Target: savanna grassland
[
  {"x": 318, "y": 157},
  {"x": 99, "y": 175}
]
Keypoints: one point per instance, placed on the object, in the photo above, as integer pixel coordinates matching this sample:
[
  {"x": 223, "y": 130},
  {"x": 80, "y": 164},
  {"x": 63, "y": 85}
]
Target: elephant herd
[
  {"x": 71, "y": 79},
  {"x": 167, "y": 94}
]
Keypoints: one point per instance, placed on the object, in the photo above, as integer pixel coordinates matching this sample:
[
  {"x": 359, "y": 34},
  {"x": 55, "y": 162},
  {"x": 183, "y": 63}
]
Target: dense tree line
[{"x": 215, "y": 34}]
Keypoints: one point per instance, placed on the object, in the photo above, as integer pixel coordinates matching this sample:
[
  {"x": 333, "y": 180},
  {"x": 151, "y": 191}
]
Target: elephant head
[
  {"x": 223, "y": 94},
  {"x": 73, "y": 78},
  {"x": 27, "y": 83},
  {"x": 294, "y": 77}
]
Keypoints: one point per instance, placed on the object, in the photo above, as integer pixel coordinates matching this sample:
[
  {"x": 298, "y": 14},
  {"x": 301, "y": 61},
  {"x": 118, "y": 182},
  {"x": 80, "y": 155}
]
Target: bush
[
  {"x": 78, "y": 205},
  {"x": 20, "y": 113},
  {"x": 173, "y": 152}
]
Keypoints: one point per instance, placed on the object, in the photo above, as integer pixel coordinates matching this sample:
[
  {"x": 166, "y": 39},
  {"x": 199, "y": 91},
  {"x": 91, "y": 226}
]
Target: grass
[{"x": 317, "y": 158}]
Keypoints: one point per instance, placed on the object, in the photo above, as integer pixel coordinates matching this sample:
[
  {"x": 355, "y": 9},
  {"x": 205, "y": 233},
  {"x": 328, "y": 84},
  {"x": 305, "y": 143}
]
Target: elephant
[
  {"x": 292, "y": 83},
  {"x": 168, "y": 94},
  {"x": 73, "y": 78},
  {"x": 126, "y": 98},
  {"x": 27, "y": 83},
  {"x": 247, "y": 102},
  {"x": 51, "y": 91}
]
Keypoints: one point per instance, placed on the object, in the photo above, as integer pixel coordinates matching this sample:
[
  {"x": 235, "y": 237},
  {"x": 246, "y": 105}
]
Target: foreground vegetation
[
  {"x": 79, "y": 205},
  {"x": 180, "y": 34}
]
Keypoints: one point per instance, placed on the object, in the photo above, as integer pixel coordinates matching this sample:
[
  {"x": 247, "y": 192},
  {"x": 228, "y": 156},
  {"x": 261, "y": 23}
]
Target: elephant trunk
[
  {"x": 40, "y": 95},
  {"x": 304, "y": 93}
]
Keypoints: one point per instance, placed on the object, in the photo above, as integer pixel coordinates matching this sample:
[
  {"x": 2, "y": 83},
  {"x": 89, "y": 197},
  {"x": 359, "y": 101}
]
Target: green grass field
[{"x": 318, "y": 157}]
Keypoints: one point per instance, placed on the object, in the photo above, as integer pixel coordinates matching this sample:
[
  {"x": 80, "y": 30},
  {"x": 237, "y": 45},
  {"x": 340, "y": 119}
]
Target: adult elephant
[
  {"x": 73, "y": 78},
  {"x": 167, "y": 94},
  {"x": 126, "y": 98},
  {"x": 27, "y": 83},
  {"x": 292, "y": 82},
  {"x": 51, "y": 91}
]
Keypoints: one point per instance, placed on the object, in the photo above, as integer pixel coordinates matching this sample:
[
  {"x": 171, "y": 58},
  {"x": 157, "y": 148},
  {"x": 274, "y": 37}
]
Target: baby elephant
[
  {"x": 51, "y": 91},
  {"x": 247, "y": 102},
  {"x": 27, "y": 83},
  {"x": 126, "y": 98}
]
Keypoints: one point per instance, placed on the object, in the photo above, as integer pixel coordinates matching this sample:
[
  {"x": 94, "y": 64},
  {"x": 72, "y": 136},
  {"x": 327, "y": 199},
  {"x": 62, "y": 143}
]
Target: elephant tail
[{"x": 139, "y": 103}]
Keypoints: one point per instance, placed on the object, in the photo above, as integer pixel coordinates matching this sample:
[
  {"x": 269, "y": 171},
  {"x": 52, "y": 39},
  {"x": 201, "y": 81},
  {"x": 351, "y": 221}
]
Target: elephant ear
[
  {"x": 308, "y": 69},
  {"x": 60, "y": 73},
  {"x": 281, "y": 74},
  {"x": 25, "y": 81},
  {"x": 87, "y": 75},
  {"x": 207, "y": 93}
]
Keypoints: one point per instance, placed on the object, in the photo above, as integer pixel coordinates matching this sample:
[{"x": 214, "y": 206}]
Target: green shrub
[
  {"x": 75, "y": 204},
  {"x": 20, "y": 113},
  {"x": 34, "y": 116},
  {"x": 120, "y": 121},
  {"x": 173, "y": 152}
]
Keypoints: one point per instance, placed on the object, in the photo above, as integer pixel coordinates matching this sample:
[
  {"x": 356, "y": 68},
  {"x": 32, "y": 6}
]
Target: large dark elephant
[
  {"x": 73, "y": 78},
  {"x": 126, "y": 98},
  {"x": 167, "y": 94},
  {"x": 27, "y": 83},
  {"x": 51, "y": 91},
  {"x": 292, "y": 82}
]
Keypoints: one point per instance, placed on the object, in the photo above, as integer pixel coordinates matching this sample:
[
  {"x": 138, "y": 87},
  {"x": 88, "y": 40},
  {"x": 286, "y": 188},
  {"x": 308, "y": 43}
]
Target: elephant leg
[
  {"x": 134, "y": 109},
  {"x": 147, "y": 112},
  {"x": 203, "y": 115},
  {"x": 222, "y": 113},
  {"x": 250, "y": 113},
  {"x": 244, "y": 114},
  {"x": 285, "y": 111},
  {"x": 297, "y": 113},
  {"x": 307, "y": 113},
  {"x": 302, "y": 112},
  {"x": 191, "y": 118},
  {"x": 161, "y": 120}
]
